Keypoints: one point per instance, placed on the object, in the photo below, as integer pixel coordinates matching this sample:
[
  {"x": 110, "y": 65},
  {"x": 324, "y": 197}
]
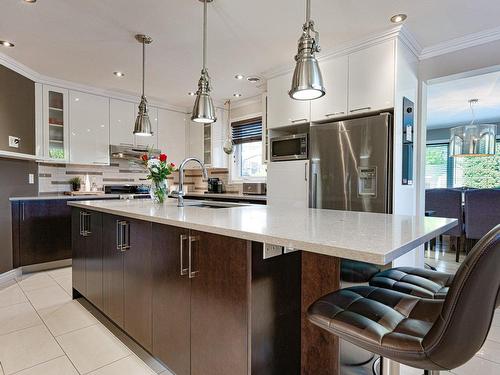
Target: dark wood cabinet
[
  {"x": 171, "y": 298},
  {"x": 41, "y": 231},
  {"x": 112, "y": 268},
  {"x": 219, "y": 304},
  {"x": 86, "y": 234}
]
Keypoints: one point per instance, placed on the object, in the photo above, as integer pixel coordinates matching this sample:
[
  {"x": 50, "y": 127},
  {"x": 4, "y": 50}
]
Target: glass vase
[{"x": 159, "y": 191}]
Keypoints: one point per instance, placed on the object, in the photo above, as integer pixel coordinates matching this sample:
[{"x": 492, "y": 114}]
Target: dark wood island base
[{"x": 201, "y": 303}]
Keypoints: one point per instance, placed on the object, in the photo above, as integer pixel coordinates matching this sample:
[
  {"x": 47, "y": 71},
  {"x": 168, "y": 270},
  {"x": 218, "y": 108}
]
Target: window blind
[{"x": 247, "y": 131}]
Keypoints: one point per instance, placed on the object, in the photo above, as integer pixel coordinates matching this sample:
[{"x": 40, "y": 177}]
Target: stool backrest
[
  {"x": 446, "y": 203},
  {"x": 469, "y": 306},
  {"x": 482, "y": 211}
]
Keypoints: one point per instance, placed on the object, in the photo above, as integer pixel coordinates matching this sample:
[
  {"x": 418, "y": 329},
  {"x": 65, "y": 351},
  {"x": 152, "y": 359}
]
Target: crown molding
[
  {"x": 29, "y": 73},
  {"x": 399, "y": 31},
  {"x": 457, "y": 44}
]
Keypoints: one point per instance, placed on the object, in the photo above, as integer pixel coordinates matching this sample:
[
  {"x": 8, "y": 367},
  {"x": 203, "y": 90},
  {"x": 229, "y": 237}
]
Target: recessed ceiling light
[
  {"x": 237, "y": 95},
  {"x": 119, "y": 74},
  {"x": 6, "y": 43},
  {"x": 190, "y": 93},
  {"x": 398, "y": 18},
  {"x": 239, "y": 76},
  {"x": 30, "y": 1},
  {"x": 253, "y": 79}
]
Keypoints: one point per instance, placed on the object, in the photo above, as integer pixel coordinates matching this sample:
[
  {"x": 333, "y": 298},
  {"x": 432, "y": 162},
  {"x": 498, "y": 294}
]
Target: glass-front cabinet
[{"x": 55, "y": 120}]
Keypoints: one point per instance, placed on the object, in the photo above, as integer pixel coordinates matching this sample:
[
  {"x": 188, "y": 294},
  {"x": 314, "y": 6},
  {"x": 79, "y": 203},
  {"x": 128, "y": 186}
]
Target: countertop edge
[
  {"x": 64, "y": 197},
  {"x": 342, "y": 252}
]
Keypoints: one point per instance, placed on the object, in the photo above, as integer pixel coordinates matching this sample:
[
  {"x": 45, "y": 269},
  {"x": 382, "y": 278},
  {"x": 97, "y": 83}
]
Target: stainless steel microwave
[{"x": 289, "y": 147}]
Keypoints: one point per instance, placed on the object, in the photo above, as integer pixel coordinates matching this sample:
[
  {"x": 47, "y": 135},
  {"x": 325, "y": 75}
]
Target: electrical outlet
[
  {"x": 14, "y": 141},
  {"x": 31, "y": 178}
]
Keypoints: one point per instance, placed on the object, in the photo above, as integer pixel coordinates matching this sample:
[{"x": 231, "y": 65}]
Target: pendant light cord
[
  {"x": 143, "y": 64},
  {"x": 308, "y": 11},
  {"x": 204, "y": 35}
]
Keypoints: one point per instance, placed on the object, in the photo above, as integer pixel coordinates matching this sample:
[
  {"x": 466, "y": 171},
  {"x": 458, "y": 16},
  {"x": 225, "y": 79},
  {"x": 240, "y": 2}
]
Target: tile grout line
[
  {"x": 57, "y": 342},
  {"x": 107, "y": 364},
  {"x": 38, "y": 364}
]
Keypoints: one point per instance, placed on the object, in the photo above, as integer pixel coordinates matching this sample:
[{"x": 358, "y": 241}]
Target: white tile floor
[{"x": 44, "y": 332}]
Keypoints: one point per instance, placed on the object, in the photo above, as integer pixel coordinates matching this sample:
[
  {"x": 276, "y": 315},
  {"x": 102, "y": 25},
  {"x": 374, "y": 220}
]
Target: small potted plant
[
  {"x": 76, "y": 183},
  {"x": 158, "y": 170}
]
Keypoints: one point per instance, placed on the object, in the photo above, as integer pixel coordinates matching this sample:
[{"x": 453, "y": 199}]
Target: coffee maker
[{"x": 214, "y": 185}]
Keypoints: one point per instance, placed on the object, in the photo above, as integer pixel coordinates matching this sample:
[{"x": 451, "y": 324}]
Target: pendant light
[
  {"x": 473, "y": 139},
  {"x": 307, "y": 83},
  {"x": 204, "y": 110},
  {"x": 228, "y": 143},
  {"x": 142, "y": 124}
]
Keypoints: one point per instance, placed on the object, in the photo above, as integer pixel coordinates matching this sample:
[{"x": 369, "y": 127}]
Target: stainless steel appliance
[
  {"x": 128, "y": 191},
  {"x": 130, "y": 152},
  {"x": 254, "y": 188},
  {"x": 289, "y": 147},
  {"x": 351, "y": 164},
  {"x": 214, "y": 185}
]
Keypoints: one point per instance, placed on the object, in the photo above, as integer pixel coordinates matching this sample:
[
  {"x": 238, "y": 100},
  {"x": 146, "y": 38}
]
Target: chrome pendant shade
[
  {"x": 473, "y": 139},
  {"x": 204, "y": 109},
  {"x": 142, "y": 123},
  {"x": 307, "y": 82}
]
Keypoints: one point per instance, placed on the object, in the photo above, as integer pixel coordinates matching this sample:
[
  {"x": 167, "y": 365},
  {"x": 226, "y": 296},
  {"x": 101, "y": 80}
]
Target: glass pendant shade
[
  {"x": 142, "y": 123},
  {"x": 473, "y": 140}
]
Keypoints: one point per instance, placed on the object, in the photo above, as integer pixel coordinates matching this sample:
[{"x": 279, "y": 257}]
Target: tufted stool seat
[
  {"x": 430, "y": 334},
  {"x": 414, "y": 281},
  {"x": 357, "y": 272}
]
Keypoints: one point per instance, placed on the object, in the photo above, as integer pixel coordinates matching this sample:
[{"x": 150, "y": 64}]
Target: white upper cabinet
[
  {"x": 89, "y": 128},
  {"x": 172, "y": 135},
  {"x": 122, "y": 119},
  {"x": 195, "y": 143},
  {"x": 149, "y": 142},
  {"x": 219, "y": 130},
  {"x": 371, "y": 78},
  {"x": 282, "y": 110},
  {"x": 334, "y": 104},
  {"x": 55, "y": 132}
]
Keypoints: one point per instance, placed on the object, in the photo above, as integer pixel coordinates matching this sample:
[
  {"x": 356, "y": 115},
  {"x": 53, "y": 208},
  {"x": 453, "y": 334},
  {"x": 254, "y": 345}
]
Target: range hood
[{"x": 130, "y": 152}]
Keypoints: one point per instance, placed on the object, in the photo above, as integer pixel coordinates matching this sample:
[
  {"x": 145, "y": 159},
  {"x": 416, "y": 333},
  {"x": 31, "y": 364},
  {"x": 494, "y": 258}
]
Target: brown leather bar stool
[{"x": 428, "y": 334}]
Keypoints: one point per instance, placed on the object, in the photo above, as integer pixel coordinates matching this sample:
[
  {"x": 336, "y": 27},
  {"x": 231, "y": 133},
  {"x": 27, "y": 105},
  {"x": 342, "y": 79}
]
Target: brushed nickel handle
[
  {"x": 184, "y": 271},
  {"x": 126, "y": 235},
  {"x": 85, "y": 224},
  {"x": 305, "y": 171},
  {"x": 81, "y": 223},
  {"x": 119, "y": 240},
  {"x": 335, "y": 114},
  {"x": 22, "y": 211},
  {"x": 192, "y": 274},
  {"x": 360, "y": 109},
  {"x": 299, "y": 120}
]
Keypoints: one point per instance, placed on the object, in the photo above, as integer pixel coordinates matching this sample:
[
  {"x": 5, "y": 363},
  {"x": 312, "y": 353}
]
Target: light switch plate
[
  {"x": 31, "y": 178},
  {"x": 271, "y": 251},
  {"x": 14, "y": 141}
]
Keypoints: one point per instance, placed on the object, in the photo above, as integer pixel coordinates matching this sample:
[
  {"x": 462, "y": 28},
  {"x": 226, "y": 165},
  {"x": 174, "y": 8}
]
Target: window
[
  {"x": 442, "y": 171},
  {"x": 247, "y": 156}
]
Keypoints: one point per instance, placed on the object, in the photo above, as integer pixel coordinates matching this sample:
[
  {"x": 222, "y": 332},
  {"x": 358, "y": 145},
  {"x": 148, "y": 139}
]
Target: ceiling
[
  {"x": 85, "y": 41},
  {"x": 447, "y": 103}
]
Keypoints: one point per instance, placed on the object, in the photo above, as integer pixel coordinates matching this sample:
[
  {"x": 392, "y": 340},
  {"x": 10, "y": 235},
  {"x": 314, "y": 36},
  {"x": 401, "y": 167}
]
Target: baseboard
[
  {"x": 46, "y": 266},
  {"x": 10, "y": 275}
]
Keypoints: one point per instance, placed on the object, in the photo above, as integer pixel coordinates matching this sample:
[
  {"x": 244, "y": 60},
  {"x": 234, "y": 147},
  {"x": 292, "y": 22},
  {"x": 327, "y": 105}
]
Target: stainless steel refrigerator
[{"x": 351, "y": 164}]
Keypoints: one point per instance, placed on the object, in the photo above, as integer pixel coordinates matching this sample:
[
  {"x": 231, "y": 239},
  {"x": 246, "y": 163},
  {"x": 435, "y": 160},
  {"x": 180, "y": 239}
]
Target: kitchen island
[{"x": 191, "y": 284}]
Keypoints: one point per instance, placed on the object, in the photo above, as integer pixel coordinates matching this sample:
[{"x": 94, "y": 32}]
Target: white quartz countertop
[
  {"x": 64, "y": 197},
  {"x": 362, "y": 236}
]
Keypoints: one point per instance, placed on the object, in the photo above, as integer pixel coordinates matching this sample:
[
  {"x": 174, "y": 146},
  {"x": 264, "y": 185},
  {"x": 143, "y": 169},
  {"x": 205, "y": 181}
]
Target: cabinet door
[
  {"x": 145, "y": 141},
  {"x": 196, "y": 135},
  {"x": 137, "y": 282},
  {"x": 218, "y": 136},
  {"x": 172, "y": 135},
  {"x": 288, "y": 183},
  {"x": 121, "y": 122},
  {"x": 334, "y": 103},
  {"x": 55, "y": 123},
  {"x": 93, "y": 258},
  {"x": 44, "y": 231},
  {"x": 371, "y": 78},
  {"x": 171, "y": 298},
  {"x": 282, "y": 110},
  {"x": 89, "y": 124},
  {"x": 78, "y": 250},
  {"x": 112, "y": 269},
  {"x": 219, "y": 304}
]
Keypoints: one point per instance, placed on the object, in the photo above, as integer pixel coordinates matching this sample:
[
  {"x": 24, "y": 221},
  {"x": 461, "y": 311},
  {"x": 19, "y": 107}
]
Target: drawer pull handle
[
  {"x": 184, "y": 271},
  {"x": 192, "y": 274},
  {"x": 360, "y": 109},
  {"x": 335, "y": 114},
  {"x": 299, "y": 120}
]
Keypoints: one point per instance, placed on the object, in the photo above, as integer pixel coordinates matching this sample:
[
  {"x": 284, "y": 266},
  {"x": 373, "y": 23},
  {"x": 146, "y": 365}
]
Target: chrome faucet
[{"x": 180, "y": 193}]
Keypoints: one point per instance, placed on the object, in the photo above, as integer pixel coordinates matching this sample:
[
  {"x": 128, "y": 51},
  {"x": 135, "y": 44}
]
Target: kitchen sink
[{"x": 214, "y": 205}]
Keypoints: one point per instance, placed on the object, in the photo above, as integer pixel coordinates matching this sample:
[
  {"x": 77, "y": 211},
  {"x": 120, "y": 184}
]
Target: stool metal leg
[{"x": 431, "y": 372}]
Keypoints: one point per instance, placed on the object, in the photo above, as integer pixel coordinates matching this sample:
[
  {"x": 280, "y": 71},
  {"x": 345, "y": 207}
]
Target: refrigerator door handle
[
  {"x": 314, "y": 198},
  {"x": 305, "y": 171}
]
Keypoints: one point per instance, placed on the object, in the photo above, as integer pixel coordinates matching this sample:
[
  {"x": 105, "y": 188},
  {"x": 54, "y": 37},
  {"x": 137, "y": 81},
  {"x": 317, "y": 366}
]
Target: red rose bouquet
[{"x": 158, "y": 169}]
